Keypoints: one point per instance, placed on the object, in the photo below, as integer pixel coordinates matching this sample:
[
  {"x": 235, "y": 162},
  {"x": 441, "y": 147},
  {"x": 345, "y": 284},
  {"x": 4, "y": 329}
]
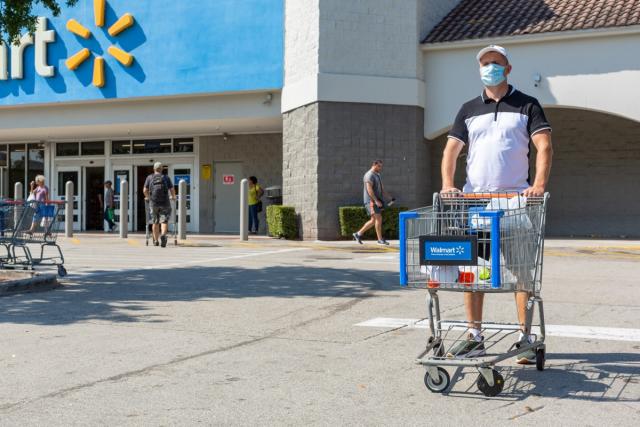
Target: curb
[{"x": 26, "y": 284}]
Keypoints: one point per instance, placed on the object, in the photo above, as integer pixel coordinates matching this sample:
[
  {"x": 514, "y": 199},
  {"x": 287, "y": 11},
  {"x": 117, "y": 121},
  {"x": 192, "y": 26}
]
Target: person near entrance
[
  {"x": 159, "y": 191},
  {"x": 40, "y": 194},
  {"x": 497, "y": 128},
  {"x": 107, "y": 204},
  {"x": 255, "y": 204},
  {"x": 374, "y": 197}
]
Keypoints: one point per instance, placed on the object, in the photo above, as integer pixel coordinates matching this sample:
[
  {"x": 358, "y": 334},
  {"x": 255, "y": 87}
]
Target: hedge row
[
  {"x": 282, "y": 221},
  {"x": 353, "y": 217}
]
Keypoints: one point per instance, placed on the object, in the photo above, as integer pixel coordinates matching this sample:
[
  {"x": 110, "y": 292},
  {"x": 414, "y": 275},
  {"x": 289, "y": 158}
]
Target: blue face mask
[{"x": 492, "y": 74}]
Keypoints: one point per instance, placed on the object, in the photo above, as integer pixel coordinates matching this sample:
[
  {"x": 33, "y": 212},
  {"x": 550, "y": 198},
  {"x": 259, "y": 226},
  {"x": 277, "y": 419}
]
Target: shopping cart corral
[
  {"x": 476, "y": 242},
  {"x": 27, "y": 226}
]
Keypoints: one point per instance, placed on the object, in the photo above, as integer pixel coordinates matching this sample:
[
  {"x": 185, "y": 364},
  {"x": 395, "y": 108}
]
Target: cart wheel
[
  {"x": 540, "y": 359},
  {"x": 62, "y": 271},
  {"x": 439, "y": 384},
  {"x": 486, "y": 389}
]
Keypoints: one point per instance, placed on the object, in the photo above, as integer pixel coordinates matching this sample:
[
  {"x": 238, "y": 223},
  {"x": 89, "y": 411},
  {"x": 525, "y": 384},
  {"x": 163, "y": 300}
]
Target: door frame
[
  {"x": 132, "y": 191},
  {"x": 193, "y": 210},
  {"x": 78, "y": 200},
  {"x": 215, "y": 195}
]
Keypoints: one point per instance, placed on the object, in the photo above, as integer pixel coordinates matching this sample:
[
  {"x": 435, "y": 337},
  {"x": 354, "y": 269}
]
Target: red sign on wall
[{"x": 228, "y": 179}]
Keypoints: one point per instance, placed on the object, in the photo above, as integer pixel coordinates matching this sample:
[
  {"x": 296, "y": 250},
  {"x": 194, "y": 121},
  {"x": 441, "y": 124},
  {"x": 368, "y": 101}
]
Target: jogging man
[
  {"x": 497, "y": 127},
  {"x": 159, "y": 191},
  {"x": 374, "y": 196}
]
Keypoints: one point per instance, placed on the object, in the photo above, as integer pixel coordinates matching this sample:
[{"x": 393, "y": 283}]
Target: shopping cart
[
  {"x": 31, "y": 223},
  {"x": 172, "y": 226},
  {"x": 475, "y": 242}
]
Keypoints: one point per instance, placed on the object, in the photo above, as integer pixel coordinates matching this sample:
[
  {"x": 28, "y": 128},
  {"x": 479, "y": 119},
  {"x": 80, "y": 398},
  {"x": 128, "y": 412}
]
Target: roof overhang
[{"x": 533, "y": 38}]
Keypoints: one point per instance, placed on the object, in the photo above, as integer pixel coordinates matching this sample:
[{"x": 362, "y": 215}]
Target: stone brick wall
[
  {"x": 300, "y": 166},
  {"x": 261, "y": 155},
  {"x": 595, "y": 174},
  {"x": 329, "y": 146}
]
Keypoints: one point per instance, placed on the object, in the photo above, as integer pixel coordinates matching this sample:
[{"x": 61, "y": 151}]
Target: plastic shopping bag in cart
[
  {"x": 441, "y": 273},
  {"x": 480, "y": 273},
  {"x": 514, "y": 214}
]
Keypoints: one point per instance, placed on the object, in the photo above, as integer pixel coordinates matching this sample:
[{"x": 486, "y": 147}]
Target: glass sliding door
[
  {"x": 35, "y": 164},
  {"x": 17, "y": 168}
]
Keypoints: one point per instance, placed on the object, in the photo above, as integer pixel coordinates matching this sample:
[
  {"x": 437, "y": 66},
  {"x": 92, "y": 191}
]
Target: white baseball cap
[{"x": 492, "y": 48}]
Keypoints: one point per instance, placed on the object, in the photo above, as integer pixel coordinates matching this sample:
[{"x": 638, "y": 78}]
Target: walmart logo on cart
[
  {"x": 448, "y": 251},
  {"x": 458, "y": 250}
]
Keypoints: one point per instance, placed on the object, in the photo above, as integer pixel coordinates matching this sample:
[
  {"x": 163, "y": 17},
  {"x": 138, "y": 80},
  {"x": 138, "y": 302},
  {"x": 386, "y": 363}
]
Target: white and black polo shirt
[{"x": 498, "y": 135}]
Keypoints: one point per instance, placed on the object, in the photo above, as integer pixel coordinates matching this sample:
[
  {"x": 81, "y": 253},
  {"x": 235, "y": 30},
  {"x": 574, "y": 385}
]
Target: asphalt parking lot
[{"x": 289, "y": 333}]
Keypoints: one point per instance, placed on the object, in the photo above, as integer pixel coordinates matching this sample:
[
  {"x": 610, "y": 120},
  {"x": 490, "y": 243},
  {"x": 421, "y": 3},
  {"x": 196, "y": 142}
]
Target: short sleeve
[
  {"x": 368, "y": 177},
  {"x": 146, "y": 182},
  {"x": 537, "y": 119},
  {"x": 169, "y": 183},
  {"x": 459, "y": 130}
]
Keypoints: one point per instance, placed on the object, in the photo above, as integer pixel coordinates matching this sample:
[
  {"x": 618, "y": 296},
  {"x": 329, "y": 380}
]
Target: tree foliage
[{"x": 17, "y": 15}]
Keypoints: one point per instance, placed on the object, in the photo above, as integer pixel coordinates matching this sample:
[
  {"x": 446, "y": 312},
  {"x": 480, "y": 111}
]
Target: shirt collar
[{"x": 488, "y": 100}]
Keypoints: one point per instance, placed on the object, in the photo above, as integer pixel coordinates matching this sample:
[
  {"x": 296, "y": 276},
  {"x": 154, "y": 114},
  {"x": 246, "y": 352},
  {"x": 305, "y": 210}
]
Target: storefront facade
[
  {"x": 110, "y": 87},
  {"x": 304, "y": 94}
]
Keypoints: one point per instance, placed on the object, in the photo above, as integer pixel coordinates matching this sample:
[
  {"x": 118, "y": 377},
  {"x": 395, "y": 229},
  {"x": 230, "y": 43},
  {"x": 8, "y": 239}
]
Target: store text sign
[{"x": 40, "y": 39}]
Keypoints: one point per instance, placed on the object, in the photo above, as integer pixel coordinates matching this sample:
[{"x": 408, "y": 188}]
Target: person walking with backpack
[{"x": 159, "y": 191}]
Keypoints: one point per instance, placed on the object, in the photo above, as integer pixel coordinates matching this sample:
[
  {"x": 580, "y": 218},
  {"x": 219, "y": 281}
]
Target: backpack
[{"x": 159, "y": 190}]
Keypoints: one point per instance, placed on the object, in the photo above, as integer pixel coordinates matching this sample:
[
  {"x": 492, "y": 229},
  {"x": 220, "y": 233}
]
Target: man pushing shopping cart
[{"x": 489, "y": 237}]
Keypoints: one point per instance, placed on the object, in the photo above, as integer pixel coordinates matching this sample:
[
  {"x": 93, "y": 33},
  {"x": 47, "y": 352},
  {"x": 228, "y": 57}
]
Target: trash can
[{"x": 274, "y": 194}]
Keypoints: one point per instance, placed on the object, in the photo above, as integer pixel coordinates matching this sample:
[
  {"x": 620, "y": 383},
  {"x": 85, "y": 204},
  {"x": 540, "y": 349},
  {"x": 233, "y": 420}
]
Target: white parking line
[{"x": 566, "y": 331}]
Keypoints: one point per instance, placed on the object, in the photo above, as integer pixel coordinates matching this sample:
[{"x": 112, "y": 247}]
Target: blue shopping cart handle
[
  {"x": 496, "y": 274},
  {"x": 404, "y": 216}
]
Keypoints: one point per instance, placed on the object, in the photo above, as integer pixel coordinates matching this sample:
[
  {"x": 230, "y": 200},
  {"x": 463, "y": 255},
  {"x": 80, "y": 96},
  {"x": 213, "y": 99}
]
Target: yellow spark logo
[{"x": 120, "y": 55}]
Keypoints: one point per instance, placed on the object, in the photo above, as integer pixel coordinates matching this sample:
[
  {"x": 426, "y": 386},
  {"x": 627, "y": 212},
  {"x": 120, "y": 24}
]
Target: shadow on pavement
[
  {"x": 599, "y": 377},
  {"x": 125, "y": 296}
]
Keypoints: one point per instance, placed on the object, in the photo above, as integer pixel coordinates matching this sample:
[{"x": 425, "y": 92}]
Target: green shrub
[
  {"x": 282, "y": 221},
  {"x": 353, "y": 217}
]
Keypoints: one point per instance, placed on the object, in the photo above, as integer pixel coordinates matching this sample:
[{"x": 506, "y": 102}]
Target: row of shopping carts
[{"x": 28, "y": 232}]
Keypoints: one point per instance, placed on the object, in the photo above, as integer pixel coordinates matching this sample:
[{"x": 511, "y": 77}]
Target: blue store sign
[{"x": 129, "y": 48}]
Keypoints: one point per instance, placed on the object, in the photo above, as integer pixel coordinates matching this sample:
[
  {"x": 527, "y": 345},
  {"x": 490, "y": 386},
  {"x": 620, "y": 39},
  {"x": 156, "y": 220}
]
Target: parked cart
[
  {"x": 27, "y": 224},
  {"x": 475, "y": 242}
]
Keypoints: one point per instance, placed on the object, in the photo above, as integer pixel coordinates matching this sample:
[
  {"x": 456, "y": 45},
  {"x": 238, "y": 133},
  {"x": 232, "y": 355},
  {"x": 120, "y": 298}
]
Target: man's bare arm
[
  {"x": 372, "y": 195},
  {"x": 448, "y": 168},
  {"x": 544, "y": 148}
]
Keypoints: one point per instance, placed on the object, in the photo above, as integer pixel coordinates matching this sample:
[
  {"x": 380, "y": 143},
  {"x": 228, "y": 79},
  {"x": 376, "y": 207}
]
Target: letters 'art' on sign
[{"x": 42, "y": 37}]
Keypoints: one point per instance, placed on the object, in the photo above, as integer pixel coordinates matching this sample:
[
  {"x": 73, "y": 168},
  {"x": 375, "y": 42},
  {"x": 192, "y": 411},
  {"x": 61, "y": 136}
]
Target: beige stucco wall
[{"x": 599, "y": 73}]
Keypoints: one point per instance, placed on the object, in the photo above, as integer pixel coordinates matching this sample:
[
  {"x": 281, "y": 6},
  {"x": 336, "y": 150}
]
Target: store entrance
[
  {"x": 94, "y": 189},
  {"x": 142, "y": 172}
]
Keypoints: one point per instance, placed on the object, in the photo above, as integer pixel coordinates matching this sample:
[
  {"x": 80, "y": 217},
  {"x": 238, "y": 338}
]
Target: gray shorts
[
  {"x": 160, "y": 214},
  {"x": 372, "y": 208}
]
